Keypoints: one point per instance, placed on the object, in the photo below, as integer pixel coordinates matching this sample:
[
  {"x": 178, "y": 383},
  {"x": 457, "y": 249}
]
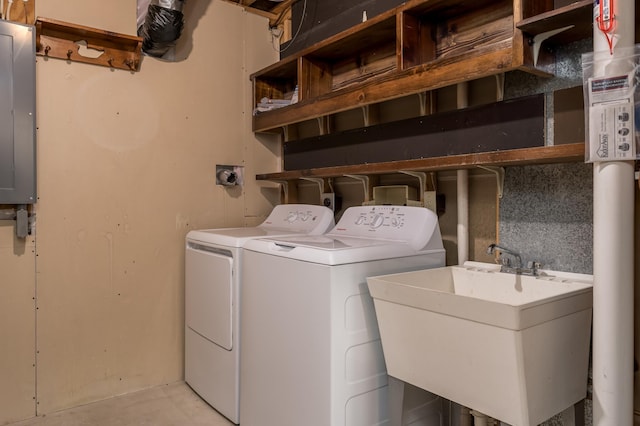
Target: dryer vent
[{"x": 162, "y": 26}]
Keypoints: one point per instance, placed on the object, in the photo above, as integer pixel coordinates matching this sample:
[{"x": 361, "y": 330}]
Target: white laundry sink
[{"x": 513, "y": 347}]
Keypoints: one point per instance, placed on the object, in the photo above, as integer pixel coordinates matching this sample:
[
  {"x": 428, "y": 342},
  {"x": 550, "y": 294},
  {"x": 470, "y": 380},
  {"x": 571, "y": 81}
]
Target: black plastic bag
[{"x": 162, "y": 28}]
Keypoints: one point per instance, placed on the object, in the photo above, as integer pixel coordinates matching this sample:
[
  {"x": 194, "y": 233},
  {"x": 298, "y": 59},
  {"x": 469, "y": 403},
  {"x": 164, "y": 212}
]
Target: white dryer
[
  {"x": 311, "y": 351},
  {"x": 213, "y": 260}
]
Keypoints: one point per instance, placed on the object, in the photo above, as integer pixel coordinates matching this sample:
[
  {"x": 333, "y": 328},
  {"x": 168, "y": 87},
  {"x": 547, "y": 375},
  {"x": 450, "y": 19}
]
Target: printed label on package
[{"x": 611, "y": 119}]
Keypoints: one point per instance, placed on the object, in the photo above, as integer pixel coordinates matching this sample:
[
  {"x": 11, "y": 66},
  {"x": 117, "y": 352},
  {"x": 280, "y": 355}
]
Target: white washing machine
[
  {"x": 311, "y": 351},
  {"x": 213, "y": 262}
]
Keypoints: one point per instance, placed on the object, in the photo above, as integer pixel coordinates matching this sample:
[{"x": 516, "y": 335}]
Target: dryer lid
[{"x": 285, "y": 219}]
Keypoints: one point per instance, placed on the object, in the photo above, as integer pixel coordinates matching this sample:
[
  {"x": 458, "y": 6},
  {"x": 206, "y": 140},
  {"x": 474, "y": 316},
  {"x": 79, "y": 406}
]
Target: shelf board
[
  {"x": 516, "y": 157},
  {"x": 434, "y": 75},
  {"x": 579, "y": 14}
]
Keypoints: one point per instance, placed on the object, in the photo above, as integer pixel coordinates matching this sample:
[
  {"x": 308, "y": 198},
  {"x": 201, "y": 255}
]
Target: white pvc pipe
[
  {"x": 613, "y": 207},
  {"x": 462, "y": 100},
  {"x": 463, "y": 215},
  {"x": 462, "y": 232},
  {"x": 479, "y": 419}
]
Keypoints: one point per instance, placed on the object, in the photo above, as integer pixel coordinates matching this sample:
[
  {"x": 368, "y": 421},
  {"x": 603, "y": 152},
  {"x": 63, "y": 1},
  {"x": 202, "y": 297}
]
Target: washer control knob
[
  {"x": 360, "y": 220},
  {"x": 377, "y": 221},
  {"x": 292, "y": 217},
  {"x": 304, "y": 216}
]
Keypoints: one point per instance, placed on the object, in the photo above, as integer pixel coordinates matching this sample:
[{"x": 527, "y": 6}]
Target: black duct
[{"x": 162, "y": 26}]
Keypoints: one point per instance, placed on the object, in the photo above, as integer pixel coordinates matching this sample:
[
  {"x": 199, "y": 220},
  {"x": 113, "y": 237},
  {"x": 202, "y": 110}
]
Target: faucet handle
[{"x": 534, "y": 266}]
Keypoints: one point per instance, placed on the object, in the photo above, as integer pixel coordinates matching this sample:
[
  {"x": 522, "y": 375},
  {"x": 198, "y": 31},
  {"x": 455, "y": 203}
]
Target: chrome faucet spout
[{"x": 492, "y": 247}]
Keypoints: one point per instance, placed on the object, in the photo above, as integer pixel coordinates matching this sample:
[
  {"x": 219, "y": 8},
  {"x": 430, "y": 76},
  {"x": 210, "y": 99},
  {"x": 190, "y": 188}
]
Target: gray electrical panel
[{"x": 17, "y": 113}]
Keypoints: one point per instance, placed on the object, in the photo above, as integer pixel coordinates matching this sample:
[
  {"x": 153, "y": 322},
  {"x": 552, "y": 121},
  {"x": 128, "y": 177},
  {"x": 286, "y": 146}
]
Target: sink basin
[{"x": 513, "y": 347}]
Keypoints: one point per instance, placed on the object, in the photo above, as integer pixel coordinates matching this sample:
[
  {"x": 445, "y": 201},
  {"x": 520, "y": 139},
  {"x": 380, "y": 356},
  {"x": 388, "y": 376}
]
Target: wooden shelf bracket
[
  {"x": 422, "y": 179},
  {"x": 538, "y": 39},
  {"x": 324, "y": 186},
  {"x": 367, "y": 185}
]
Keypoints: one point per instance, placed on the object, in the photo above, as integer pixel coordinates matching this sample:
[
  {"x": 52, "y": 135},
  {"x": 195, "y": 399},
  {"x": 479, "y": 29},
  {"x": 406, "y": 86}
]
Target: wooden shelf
[
  {"x": 517, "y": 157},
  {"x": 578, "y": 14},
  {"x": 440, "y": 73},
  {"x": 419, "y": 46},
  {"x": 415, "y": 49},
  {"x": 62, "y": 40}
]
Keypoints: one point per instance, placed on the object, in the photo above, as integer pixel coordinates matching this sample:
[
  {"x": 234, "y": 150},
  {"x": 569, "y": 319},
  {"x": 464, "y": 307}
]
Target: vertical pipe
[
  {"x": 463, "y": 417},
  {"x": 463, "y": 189},
  {"x": 463, "y": 215},
  {"x": 613, "y": 196}
]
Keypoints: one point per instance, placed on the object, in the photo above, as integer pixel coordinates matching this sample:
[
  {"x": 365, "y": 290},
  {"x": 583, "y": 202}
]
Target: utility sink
[{"x": 513, "y": 347}]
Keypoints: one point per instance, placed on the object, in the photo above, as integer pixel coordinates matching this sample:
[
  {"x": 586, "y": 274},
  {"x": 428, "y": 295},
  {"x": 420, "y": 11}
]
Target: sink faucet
[
  {"x": 504, "y": 250},
  {"x": 531, "y": 269}
]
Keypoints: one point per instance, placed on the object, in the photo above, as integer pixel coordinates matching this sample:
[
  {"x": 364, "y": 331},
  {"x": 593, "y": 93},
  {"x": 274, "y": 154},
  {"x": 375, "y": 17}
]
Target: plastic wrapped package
[{"x": 612, "y": 104}]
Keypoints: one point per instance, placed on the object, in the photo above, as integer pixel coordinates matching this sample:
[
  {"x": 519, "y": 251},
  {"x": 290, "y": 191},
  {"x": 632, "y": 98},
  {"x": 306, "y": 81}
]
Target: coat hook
[
  {"x": 69, "y": 52},
  {"x": 46, "y": 50},
  {"x": 130, "y": 64},
  {"x": 110, "y": 61}
]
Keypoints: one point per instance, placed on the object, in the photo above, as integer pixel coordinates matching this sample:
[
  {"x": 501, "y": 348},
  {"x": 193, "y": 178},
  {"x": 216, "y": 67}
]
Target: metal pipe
[{"x": 613, "y": 281}]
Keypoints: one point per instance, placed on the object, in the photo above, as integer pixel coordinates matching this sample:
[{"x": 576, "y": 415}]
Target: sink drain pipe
[{"x": 613, "y": 245}]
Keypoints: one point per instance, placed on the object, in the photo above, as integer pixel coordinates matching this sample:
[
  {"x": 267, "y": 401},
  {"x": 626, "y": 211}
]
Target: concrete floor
[{"x": 170, "y": 405}]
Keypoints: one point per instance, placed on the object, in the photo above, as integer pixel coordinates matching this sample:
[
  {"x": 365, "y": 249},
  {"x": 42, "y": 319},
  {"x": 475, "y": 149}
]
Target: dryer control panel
[
  {"x": 306, "y": 218},
  {"x": 414, "y": 225}
]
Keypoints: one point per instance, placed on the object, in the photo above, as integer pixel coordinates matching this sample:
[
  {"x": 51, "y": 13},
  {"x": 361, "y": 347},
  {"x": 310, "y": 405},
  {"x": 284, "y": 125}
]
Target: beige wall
[
  {"x": 126, "y": 167},
  {"x": 17, "y": 324}
]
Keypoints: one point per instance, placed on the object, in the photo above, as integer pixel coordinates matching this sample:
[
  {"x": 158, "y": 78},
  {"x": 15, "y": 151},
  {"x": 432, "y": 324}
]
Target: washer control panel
[{"x": 404, "y": 223}]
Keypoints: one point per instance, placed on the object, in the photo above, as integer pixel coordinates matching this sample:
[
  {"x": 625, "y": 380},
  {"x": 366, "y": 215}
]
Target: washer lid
[
  {"x": 364, "y": 233},
  {"x": 331, "y": 250}
]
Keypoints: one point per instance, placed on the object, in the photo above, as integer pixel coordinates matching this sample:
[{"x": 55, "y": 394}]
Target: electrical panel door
[{"x": 17, "y": 114}]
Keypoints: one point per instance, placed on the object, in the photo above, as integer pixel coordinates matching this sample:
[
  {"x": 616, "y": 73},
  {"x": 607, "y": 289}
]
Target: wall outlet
[{"x": 329, "y": 200}]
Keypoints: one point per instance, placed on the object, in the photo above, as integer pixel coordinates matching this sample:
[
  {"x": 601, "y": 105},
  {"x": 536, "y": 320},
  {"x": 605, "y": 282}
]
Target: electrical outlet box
[{"x": 329, "y": 200}]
